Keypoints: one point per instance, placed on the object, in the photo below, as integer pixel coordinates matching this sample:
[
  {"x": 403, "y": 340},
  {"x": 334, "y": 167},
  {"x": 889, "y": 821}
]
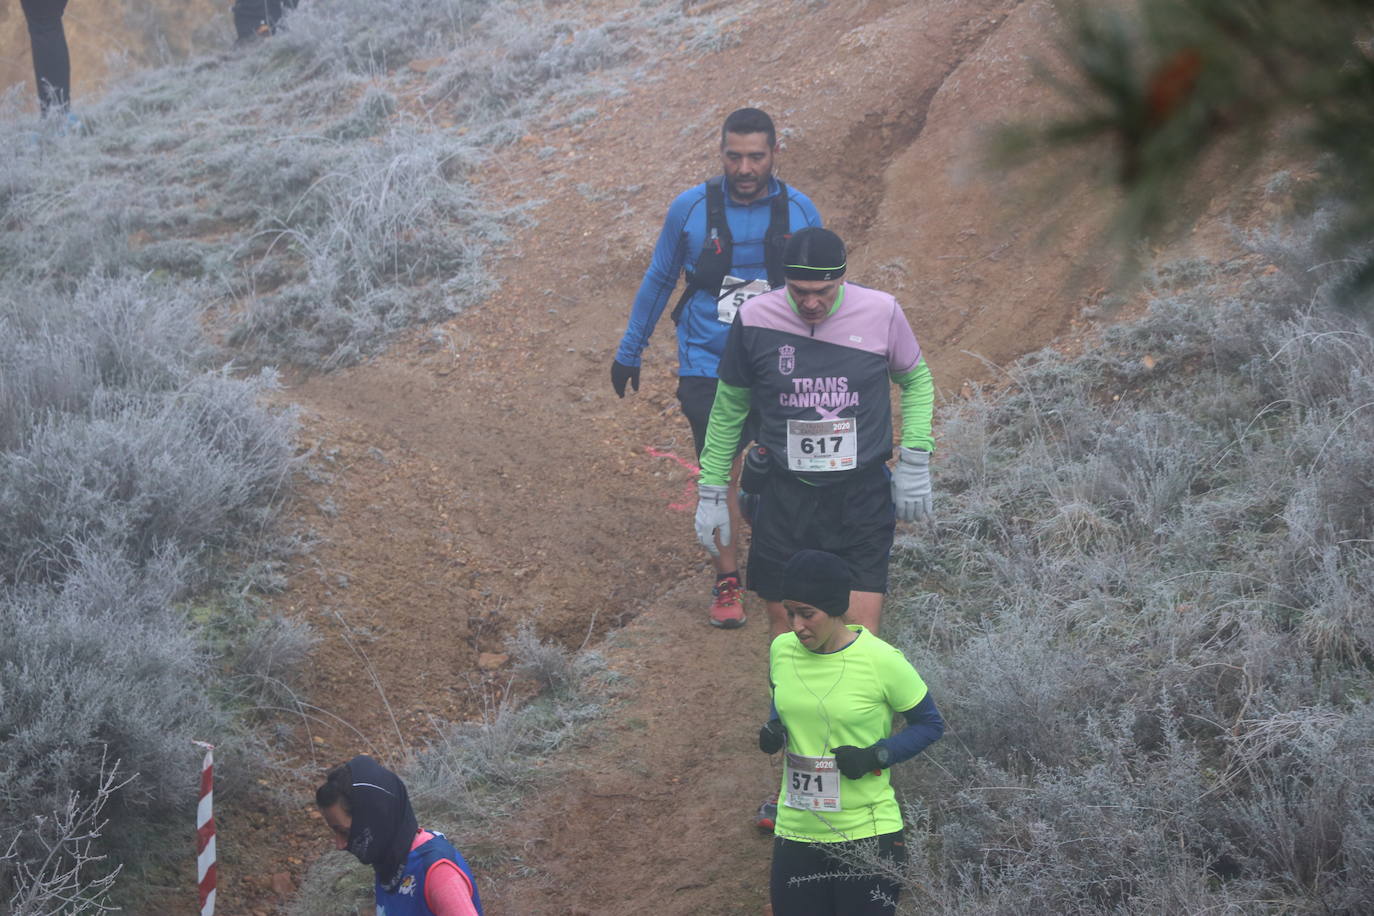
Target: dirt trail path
[
  {"x": 649, "y": 811},
  {"x": 483, "y": 475}
]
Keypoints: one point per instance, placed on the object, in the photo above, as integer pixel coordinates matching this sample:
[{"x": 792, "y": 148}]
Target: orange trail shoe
[
  {"x": 767, "y": 816},
  {"x": 727, "y": 608}
]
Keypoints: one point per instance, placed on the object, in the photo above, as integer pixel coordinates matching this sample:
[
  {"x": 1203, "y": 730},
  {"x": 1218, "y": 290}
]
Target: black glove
[
  {"x": 620, "y": 374},
  {"x": 772, "y": 736},
  {"x": 855, "y": 762}
]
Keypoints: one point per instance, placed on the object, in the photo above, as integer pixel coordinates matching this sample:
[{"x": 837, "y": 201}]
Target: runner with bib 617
[{"x": 815, "y": 361}]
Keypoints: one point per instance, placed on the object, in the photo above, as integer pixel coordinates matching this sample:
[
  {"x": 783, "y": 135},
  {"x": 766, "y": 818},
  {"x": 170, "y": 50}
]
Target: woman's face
[
  {"x": 339, "y": 822},
  {"x": 816, "y": 629}
]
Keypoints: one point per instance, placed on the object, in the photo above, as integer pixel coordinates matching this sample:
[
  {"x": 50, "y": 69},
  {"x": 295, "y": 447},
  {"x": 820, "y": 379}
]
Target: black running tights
[
  {"x": 52, "y": 66},
  {"x": 813, "y": 879}
]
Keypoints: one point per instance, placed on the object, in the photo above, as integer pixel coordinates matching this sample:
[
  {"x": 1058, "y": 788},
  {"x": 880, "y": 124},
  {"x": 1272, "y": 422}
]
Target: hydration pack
[{"x": 717, "y": 251}]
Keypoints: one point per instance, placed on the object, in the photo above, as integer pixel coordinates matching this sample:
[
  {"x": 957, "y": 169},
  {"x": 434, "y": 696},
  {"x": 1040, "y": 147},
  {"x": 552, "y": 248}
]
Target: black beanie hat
[
  {"x": 813, "y": 254},
  {"x": 819, "y": 579}
]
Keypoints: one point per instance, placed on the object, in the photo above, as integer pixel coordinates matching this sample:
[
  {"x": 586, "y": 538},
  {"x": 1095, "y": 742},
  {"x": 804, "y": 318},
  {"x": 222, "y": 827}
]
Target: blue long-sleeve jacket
[
  {"x": 924, "y": 726},
  {"x": 700, "y": 335}
]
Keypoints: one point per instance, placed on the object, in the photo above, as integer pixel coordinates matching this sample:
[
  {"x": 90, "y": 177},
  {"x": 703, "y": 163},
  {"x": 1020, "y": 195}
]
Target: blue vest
[{"x": 409, "y": 898}]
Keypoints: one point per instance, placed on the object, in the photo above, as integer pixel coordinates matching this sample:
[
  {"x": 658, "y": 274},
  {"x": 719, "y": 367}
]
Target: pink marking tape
[{"x": 689, "y": 496}]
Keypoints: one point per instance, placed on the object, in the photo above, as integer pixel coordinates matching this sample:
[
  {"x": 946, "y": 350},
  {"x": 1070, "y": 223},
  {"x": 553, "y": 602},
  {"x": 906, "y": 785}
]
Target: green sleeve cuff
[
  {"x": 918, "y": 406},
  {"x": 728, "y": 414}
]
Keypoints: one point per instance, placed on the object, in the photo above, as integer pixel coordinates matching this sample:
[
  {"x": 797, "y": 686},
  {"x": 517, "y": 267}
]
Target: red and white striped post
[{"x": 205, "y": 832}]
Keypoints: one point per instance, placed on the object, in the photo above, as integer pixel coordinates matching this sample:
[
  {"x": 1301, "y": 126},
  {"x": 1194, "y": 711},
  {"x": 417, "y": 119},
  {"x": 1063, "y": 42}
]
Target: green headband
[{"x": 808, "y": 272}]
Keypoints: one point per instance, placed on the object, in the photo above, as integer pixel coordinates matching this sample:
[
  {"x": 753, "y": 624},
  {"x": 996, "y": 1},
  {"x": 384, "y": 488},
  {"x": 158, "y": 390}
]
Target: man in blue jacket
[{"x": 727, "y": 236}]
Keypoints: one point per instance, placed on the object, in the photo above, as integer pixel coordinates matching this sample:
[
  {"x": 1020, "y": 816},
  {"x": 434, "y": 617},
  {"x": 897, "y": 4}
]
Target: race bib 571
[{"x": 813, "y": 783}]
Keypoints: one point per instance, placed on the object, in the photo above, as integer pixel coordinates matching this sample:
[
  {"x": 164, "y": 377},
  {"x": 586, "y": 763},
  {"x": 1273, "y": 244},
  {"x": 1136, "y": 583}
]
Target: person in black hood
[
  {"x": 259, "y": 18},
  {"x": 418, "y": 871}
]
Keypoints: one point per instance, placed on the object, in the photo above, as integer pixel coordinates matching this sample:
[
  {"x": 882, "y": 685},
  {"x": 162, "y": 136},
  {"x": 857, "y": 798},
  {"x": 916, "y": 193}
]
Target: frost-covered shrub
[
  {"x": 389, "y": 221},
  {"x": 1146, "y": 618},
  {"x": 58, "y": 350},
  {"x": 314, "y": 188},
  {"x": 130, "y": 467},
  {"x": 551, "y": 665},
  {"x": 101, "y": 669},
  {"x": 357, "y": 36},
  {"x": 191, "y": 469},
  {"x": 520, "y": 57},
  {"x": 56, "y": 862}
]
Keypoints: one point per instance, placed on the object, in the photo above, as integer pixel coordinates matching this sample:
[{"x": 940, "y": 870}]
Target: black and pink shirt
[{"x": 806, "y": 381}]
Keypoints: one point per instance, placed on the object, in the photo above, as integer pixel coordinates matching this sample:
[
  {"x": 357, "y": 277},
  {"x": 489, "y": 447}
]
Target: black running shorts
[
  {"x": 854, "y": 519},
  {"x": 696, "y": 394}
]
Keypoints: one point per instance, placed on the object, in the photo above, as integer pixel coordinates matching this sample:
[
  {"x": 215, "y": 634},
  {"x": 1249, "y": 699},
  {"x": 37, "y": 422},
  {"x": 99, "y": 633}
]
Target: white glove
[
  {"x": 713, "y": 514},
  {"x": 910, "y": 486}
]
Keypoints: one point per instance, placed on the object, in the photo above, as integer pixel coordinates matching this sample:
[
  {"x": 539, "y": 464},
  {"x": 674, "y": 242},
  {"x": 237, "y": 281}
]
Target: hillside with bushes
[{"x": 306, "y": 449}]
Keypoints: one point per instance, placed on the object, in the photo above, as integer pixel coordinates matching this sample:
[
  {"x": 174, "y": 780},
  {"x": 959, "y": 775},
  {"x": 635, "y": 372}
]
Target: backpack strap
[
  {"x": 715, "y": 211},
  {"x": 717, "y": 251},
  {"x": 775, "y": 239}
]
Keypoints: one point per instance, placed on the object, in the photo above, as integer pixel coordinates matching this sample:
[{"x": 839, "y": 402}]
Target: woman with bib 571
[{"x": 836, "y": 688}]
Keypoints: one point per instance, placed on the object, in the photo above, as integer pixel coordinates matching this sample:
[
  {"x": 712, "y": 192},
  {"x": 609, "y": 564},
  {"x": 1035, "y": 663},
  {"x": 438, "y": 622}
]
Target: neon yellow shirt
[{"x": 834, "y": 699}]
